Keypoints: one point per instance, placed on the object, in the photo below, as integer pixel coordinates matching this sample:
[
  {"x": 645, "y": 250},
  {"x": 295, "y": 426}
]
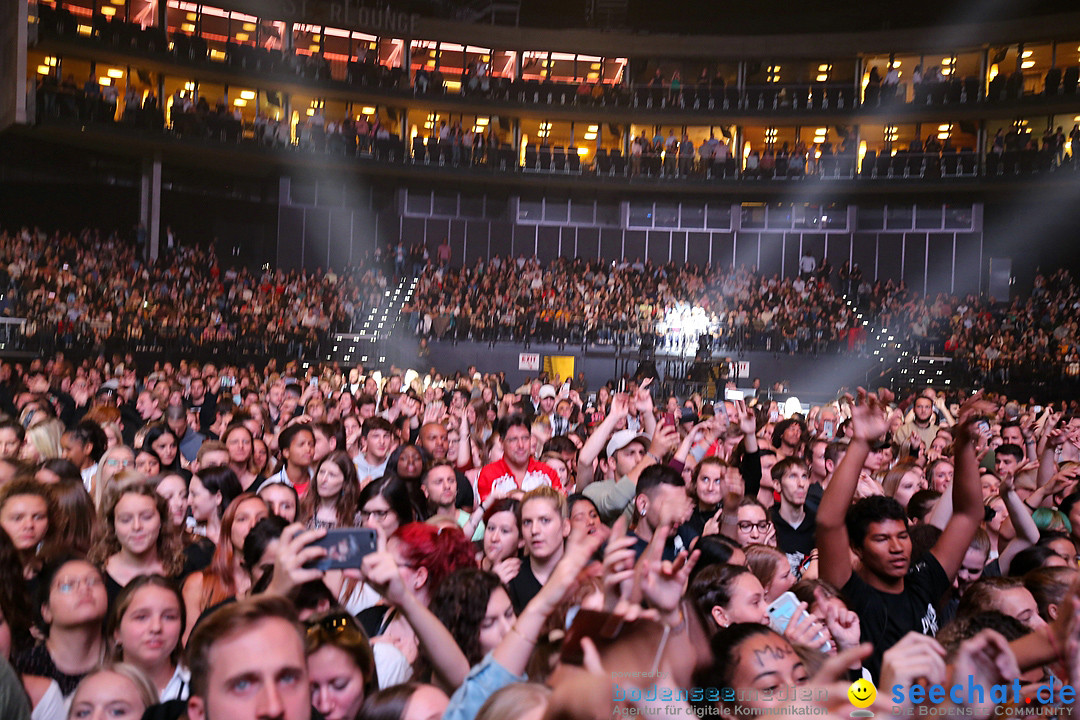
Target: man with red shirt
[{"x": 517, "y": 469}]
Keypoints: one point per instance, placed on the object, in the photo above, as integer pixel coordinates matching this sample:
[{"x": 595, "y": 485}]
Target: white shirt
[
  {"x": 53, "y": 705},
  {"x": 179, "y": 686},
  {"x": 364, "y": 469}
]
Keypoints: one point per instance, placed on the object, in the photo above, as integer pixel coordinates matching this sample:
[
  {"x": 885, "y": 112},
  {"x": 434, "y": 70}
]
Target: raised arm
[
  {"x": 644, "y": 403},
  {"x": 517, "y": 646},
  {"x": 966, "y": 492},
  {"x": 869, "y": 423},
  {"x": 1027, "y": 533},
  {"x": 620, "y": 407},
  {"x": 750, "y": 463},
  {"x": 436, "y": 643}
]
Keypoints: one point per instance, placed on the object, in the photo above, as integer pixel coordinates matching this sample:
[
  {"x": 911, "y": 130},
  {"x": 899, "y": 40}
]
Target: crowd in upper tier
[{"x": 358, "y": 544}]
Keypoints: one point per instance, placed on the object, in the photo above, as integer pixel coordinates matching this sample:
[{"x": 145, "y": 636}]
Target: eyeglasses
[
  {"x": 376, "y": 515},
  {"x": 746, "y": 526},
  {"x": 113, "y": 462},
  {"x": 70, "y": 585}
]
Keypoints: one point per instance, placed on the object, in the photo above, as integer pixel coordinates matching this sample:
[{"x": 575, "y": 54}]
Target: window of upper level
[{"x": 571, "y": 68}]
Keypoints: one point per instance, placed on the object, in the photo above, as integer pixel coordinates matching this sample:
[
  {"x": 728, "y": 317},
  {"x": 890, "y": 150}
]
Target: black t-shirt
[
  {"x": 37, "y": 661},
  {"x": 887, "y": 617},
  {"x": 523, "y": 587},
  {"x": 795, "y": 542},
  {"x": 813, "y": 497},
  {"x": 678, "y": 542}
]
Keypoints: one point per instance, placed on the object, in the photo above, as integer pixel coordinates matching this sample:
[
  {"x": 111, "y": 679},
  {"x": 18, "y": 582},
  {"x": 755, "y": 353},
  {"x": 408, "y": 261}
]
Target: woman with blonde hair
[
  {"x": 43, "y": 441},
  {"x": 772, "y": 568},
  {"x": 114, "y": 689},
  {"x": 516, "y": 701},
  {"x": 116, "y": 460}
]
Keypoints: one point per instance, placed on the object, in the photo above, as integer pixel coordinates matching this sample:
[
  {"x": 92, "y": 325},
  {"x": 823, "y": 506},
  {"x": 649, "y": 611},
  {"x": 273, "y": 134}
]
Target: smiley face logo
[{"x": 862, "y": 693}]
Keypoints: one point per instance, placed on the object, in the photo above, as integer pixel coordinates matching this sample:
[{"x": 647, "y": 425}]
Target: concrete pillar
[{"x": 150, "y": 202}]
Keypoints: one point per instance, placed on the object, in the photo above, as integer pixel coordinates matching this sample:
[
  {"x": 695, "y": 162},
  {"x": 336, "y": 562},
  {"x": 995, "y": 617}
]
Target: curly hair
[
  {"x": 347, "y": 502},
  {"x": 460, "y": 602},
  {"x": 169, "y": 546}
]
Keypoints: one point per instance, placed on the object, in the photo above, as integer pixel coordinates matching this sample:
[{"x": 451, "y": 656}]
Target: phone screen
[{"x": 345, "y": 548}]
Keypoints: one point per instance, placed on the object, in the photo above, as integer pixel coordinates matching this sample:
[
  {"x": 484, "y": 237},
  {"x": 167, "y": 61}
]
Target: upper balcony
[{"x": 871, "y": 85}]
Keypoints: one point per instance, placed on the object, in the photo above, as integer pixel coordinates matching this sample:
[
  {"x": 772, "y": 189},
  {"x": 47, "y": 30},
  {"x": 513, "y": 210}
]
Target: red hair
[
  {"x": 441, "y": 550},
  {"x": 219, "y": 583}
]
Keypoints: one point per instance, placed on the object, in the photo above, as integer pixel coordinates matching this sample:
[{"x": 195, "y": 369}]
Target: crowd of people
[
  {"x": 246, "y": 542},
  {"x": 93, "y": 290}
]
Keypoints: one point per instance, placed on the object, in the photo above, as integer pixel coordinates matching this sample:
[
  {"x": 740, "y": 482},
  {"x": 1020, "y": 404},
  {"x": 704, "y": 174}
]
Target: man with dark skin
[{"x": 891, "y": 594}]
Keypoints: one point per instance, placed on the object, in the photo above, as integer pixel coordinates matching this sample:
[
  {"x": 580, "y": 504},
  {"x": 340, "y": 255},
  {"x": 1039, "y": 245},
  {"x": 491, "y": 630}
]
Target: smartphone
[
  {"x": 828, "y": 427},
  {"x": 730, "y": 394},
  {"x": 774, "y": 416},
  {"x": 781, "y": 612},
  {"x": 345, "y": 548},
  {"x": 984, "y": 427},
  {"x": 668, "y": 418},
  {"x": 314, "y": 382}
]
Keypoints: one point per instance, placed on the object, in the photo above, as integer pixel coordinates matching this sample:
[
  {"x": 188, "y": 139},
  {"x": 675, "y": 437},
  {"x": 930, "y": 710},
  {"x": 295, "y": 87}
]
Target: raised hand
[
  {"x": 803, "y": 628},
  {"x": 967, "y": 429},
  {"x": 744, "y": 418},
  {"x": 915, "y": 658},
  {"x": 620, "y": 406},
  {"x": 380, "y": 570},
  {"x": 507, "y": 569},
  {"x": 869, "y": 417},
  {"x": 985, "y": 660},
  {"x": 843, "y": 625},
  {"x": 618, "y": 570},
  {"x": 435, "y": 412},
  {"x": 664, "y": 440},
  {"x": 290, "y": 557},
  {"x": 643, "y": 398}
]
